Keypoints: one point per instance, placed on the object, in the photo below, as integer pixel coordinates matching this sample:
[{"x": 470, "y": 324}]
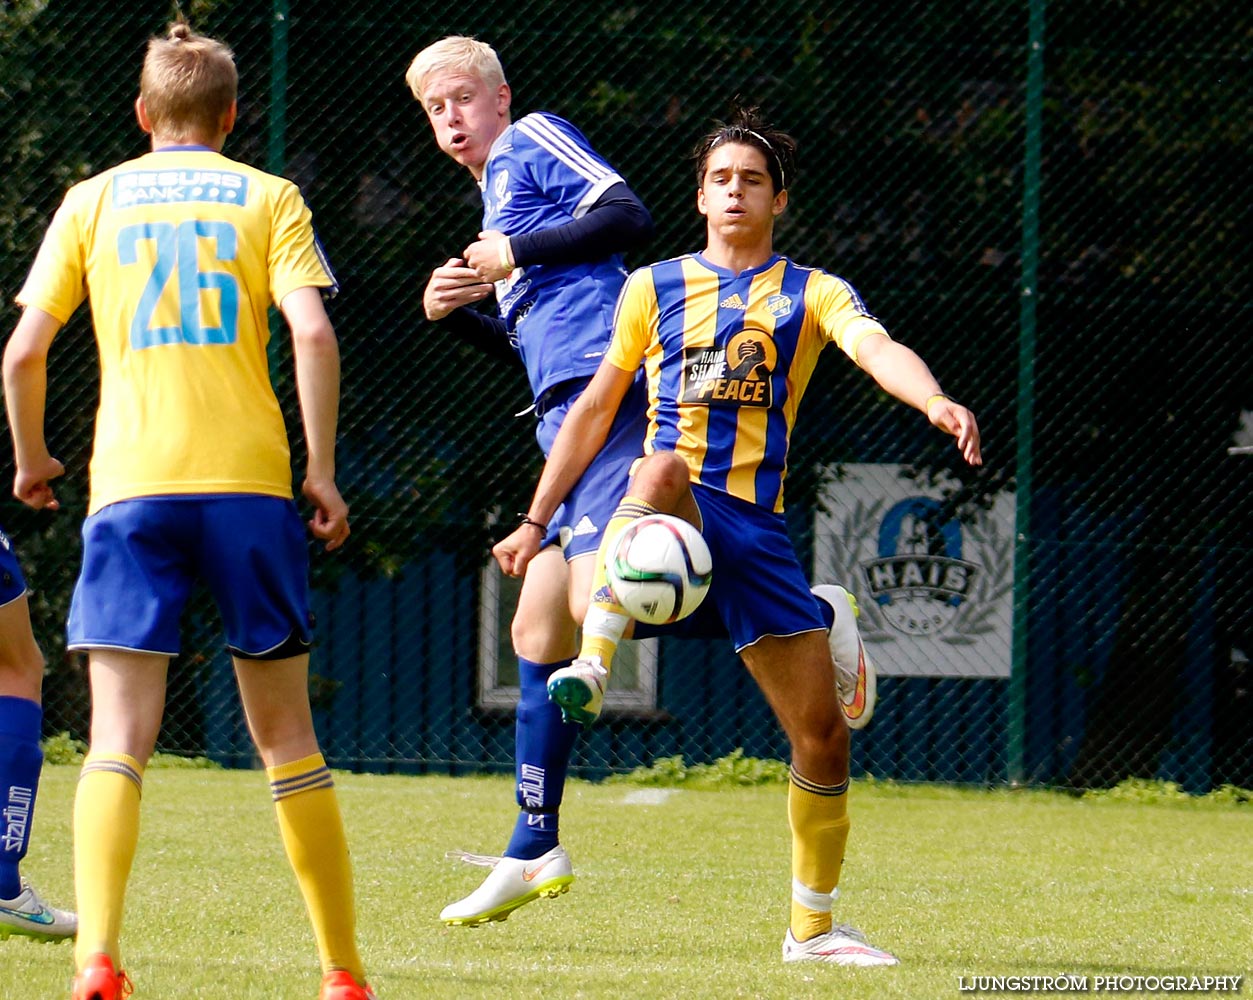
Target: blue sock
[
  {"x": 21, "y": 722},
  {"x": 541, "y": 759}
]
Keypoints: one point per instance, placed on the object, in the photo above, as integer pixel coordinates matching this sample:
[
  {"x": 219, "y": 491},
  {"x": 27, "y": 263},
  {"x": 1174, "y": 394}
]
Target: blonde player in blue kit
[
  {"x": 729, "y": 338},
  {"x": 180, "y": 253},
  {"x": 556, "y": 218}
]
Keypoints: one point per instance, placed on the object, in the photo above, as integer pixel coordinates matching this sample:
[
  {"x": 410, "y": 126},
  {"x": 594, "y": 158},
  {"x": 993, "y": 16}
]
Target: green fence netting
[{"x": 1049, "y": 201}]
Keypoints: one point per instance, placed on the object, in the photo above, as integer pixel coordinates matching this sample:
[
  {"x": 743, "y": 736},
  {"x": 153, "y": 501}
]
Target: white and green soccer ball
[{"x": 659, "y": 568}]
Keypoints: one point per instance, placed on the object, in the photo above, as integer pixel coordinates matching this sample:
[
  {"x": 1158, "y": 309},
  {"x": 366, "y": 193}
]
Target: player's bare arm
[
  {"x": 900, "y": 371},
  {"x": 582, "y": 434},
  {"x": 452, "y": 285},
  {"x": 25, "y": 394},
  {"x": 317, "y": 384}
]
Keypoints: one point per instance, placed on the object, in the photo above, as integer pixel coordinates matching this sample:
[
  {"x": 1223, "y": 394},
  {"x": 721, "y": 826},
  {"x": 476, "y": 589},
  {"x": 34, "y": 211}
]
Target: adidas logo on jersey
[
  {"x": 585, "y": 526},
  {"x": 733, "y": 301}
]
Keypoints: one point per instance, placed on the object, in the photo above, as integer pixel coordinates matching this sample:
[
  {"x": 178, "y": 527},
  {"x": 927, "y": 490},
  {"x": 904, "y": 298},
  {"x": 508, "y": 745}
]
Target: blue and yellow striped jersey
[
  {"x": 181, "y": 252},
  {"x": 728, "y": 357}
]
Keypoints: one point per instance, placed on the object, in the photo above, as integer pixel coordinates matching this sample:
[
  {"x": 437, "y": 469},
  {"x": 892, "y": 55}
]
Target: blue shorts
[
  {"x": 580, "y": 521},
  {"x": 758, "y": 586},
  {"x": 141, "y": 558},
  {"x": 12, "y": 583}
]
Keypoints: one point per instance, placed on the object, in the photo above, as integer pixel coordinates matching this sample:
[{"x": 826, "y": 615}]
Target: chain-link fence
[{"x": 1048, "y": 201}]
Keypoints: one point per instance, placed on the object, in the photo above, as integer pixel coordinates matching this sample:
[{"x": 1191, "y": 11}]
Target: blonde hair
[
  {"x": 188, "y": 83},
  {"x": 456, "y": 54}
]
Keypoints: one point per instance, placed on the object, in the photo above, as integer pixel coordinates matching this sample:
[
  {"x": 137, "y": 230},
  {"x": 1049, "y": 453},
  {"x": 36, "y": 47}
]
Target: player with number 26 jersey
[
  {"x": 186, "y": 248},
  {"x": 180, "y": 253}
]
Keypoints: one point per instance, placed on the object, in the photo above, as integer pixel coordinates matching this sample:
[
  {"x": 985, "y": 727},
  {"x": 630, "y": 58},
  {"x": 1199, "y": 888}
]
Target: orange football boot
[
  {"x": 98, "y": 980},
  {"x": 339, "y": 985}
]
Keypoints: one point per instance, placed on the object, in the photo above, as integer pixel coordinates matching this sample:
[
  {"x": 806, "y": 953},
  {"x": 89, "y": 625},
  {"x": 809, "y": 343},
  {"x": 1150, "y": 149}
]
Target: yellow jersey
[{"x": 180, "y": 253}]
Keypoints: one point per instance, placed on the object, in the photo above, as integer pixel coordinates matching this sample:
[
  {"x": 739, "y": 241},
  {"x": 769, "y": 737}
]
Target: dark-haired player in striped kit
[
  {"x": 180, "y": 252},
  {"x": 729, "y": 338}
]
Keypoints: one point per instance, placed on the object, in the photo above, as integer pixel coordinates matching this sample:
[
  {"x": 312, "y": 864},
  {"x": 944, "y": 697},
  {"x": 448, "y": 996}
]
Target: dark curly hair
[{"x": 747, "y": 126}]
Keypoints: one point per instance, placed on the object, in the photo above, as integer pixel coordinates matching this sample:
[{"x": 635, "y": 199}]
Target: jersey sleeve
[
  {"x": 635, "y": 321},
  {"x": 616, "y": 222},
  {"x": 296, "y": 259},
  {"x": 841, "y": 315},
  {"x": 561, "y": 162},
  {"x": 57, "y": 282}
]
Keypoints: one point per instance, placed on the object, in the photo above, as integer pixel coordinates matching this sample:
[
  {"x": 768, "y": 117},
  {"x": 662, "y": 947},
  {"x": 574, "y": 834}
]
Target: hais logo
[
  {"x": 934, "y": 575},
  {"x": 919, "y": 578},
  {"x": 779, "y": 305}
]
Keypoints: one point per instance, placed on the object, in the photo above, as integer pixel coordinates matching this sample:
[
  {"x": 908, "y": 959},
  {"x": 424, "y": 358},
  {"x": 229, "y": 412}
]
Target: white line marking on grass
[{"x": 648, "y": 796}]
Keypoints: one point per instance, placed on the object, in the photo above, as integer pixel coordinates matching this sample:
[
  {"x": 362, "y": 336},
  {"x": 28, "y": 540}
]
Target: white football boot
[
  {"x": 29, "y": 916},
  {"x": 841, "y": 945},
  {"x": 512, "y": 883},
  {"x": 854, "y": 673},
  {"x": 579, "y": 690}
]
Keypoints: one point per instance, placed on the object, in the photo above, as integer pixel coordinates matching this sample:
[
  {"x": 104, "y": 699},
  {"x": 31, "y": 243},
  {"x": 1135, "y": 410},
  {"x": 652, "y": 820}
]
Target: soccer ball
[{"x": 659, "y": 568}]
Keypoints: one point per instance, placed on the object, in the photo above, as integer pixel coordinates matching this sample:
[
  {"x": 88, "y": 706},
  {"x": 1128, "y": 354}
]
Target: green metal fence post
[
  {"x": 276, "y": 150},
  {"x": 1034, "y": 113},
  {"x": 276, "y": 156}
]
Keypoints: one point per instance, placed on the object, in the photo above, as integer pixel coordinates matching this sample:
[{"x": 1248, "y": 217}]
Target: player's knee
[
  {"x": 526, "y": 636},
  {"x": 541, "y": 639},
  {"x": 824, "y": 740},
  {"x": 283, "y": 737},
  {"x": 662, "y": 477}
]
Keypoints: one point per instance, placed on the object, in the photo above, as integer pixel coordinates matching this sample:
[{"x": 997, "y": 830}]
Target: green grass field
[{"x": 680, "y": 893}]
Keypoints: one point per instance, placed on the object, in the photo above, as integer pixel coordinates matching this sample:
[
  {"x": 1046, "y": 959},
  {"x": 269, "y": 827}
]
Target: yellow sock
[
  {"x": 313, "y": 835},
  {"x": 818, "y": 815},
  {"x": 606, "y": 620},
  {"x": 106, "y": 831}
]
